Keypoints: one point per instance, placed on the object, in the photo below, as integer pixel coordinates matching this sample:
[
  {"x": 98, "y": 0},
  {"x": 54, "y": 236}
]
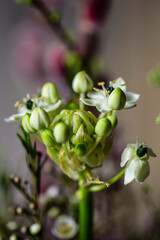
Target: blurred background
[{"x": 128, "y": 36}]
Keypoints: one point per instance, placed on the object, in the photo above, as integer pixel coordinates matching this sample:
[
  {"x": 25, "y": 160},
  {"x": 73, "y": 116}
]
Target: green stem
[
  {"x": 81, "y": 104},
  {"x": 113, "y": 180},
  {"x": 85, "y": 213}
]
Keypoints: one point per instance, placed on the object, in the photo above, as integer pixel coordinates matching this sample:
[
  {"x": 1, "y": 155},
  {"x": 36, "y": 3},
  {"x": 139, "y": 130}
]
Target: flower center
[
  {"x": 29, "y": 104},
  {"x": 141, "y": 151},
  {"x": 110, "y": 89}
]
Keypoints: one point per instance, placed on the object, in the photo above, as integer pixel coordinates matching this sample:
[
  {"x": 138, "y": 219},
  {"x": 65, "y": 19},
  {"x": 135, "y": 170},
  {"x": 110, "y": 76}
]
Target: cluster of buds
[{"x": 75, "y": 138}]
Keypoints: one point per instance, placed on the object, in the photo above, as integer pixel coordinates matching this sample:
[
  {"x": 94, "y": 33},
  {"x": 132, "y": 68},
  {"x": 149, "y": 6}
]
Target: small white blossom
[
  {"x": 64, "y": 227},
  {"x": 29, "y": 105},
  {"x": 99, "y": 98},
  {"x": 136, "y": 156}
]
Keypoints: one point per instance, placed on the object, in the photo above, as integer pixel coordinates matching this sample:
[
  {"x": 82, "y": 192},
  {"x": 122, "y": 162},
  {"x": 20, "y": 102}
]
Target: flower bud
[
  {"x": 82, "y": 83},
  {"x": 103, "y": 127},
  {"x": 35, "y": 228},
  {"x": 53, "y": 153},
  {"x": 26, "y": 123},
  {"x": 158, "y": 119},
  {"x": 13, "y": 237},
  {"x": 47, "y": 137},
  {"x": 61, "y": 132},
  {"x": 39, "y": 119},
  {"x": 81, "y": 149},
  {"x": 117, "y": 99},
  {"x": 113, "y": 118},
  {"x": 50, "y": 92}
]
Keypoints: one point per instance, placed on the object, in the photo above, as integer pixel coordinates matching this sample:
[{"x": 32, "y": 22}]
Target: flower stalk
[{"x": 85, "y": 212}]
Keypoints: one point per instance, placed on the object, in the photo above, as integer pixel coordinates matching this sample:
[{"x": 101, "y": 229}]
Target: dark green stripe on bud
[
  {"x": 47, "y": 137},
  {"x": 82, "y": 83},
  {"x": 26, "y": 123},
  {"x": 117, "y": 99},
  {"x": 81, "y": 149},
  {"x": 50, "y": 92},
  {"x": 103, "y": 127},
  {"x": 39, "y": 119},
  {"x": 61, "y": 132},
  {"x": 113, "y": 118}
]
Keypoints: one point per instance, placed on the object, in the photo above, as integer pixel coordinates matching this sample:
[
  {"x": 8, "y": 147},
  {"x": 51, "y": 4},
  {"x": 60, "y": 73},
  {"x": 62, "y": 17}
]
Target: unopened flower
[
  {"x": 39, "y": 119},
  {"x": 65, "y": 227},
  {"x": 35, "y": 229},
  {"x": 115, "y": 97},
  {"x": 28, "y": 106},
  {"x": 82, "y": 83},
  {"x": 136, "y": 156}
]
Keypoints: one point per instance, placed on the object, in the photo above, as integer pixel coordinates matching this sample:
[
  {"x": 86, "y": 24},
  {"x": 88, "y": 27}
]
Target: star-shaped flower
[
  {"x": 136, "y": 156},
  {"x": 101, "y": 98},
  {"x": 29, "y": 104}
]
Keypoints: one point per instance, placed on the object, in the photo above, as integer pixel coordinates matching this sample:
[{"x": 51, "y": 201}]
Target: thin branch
[{"x": 55, "y": 25}]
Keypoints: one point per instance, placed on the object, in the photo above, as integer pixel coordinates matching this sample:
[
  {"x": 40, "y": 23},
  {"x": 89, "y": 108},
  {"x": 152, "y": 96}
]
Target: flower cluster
[{"x": 75, "y": 138}]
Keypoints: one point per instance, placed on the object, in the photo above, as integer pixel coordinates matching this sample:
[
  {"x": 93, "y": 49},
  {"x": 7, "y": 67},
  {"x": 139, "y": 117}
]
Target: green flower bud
[
  {"x": 50, "y": 92},
  {"x": 39, "y": 119},
  {"x": 47, "y": 137},
  {"x": 82, "y": 83},
  {"x": 13, "y": 237},
  {"x": 26, "y": 123},
  {"x": 53, "y": 153},
  {"x": 103, "y": 127},
  {"x": 117, "y": 99},
  {"x": 72, "y": 106},
  {"x": 158, "y": 119},
  {"x": 35, "y": 229},
  {"x": 81, "y": 149},
  {"x": 113, "y": 118},
  {"x": 61, "y": 132}
]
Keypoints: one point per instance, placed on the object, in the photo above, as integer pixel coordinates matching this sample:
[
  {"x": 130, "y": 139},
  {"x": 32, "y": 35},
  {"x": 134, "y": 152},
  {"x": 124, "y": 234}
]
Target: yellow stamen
[
  {"x": 107, "y": 92},
  {"x": 32, "y": 99},
  {"x": 21, "y": 105},
  {"x": 107, "y": 184},
  {"x": 24, "y": 100},
  {"x": 96, "y": 89},
  {"x": 101, "y": 84},
  {"x": 16, "y": 104},
  {"x": 113, "y": 81},
  {"x": 123, "y": 84},
  {"x": 40, "y": 98}
]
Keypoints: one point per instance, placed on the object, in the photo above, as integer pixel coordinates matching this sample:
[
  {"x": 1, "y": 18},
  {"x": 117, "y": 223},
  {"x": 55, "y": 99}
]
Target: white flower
[
  {"x": 99, "y": 98},
  {"x": 136, "y": 156},
  {"x": 64, "y": 227},
  {"x": 29, "y": 105}
]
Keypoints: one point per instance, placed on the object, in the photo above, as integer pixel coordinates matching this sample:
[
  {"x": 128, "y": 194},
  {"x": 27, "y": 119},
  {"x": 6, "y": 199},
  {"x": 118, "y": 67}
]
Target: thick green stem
[{"x": 85, "y": 214}]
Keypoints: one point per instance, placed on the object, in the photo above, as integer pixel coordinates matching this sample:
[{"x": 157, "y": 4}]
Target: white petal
[
  {"x": 14, "y": 117},
  {"x": 142, "y": 171},
  {"x": 51, "y": 107},
  {"x": 89, "y": 102},
  {"x": 95, "y": 95},
  {"x": 128, "y": 154},
  {"x": 132, "y": 97},
  {"x": 130, "y": 171},
  {"x": 119, "y": 82},
  {"x": 129, "y": 105}
]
